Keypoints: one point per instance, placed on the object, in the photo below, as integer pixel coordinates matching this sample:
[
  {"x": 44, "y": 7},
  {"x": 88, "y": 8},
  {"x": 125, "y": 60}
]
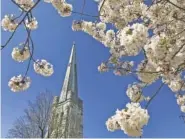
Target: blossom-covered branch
[
  {"x": 155, "y": 30},
  {"x": 26, "y": 49}
]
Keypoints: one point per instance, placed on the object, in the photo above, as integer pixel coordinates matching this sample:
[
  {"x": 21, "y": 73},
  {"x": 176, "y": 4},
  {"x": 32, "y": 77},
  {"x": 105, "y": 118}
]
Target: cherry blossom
[
  {"x": 19, "y": 83},
  {"x": 20, "y": 54},
  {"x": 63, "y": 8},
  {"x": 133, "y": 38},
  {"x": 131, "y": 120},
  {"x": 8, "y": 24},
  {"x": 25, "y": 4},
  {"x": 102, "y": 67},
  {"x": 181, "y": 100},
  {"x": 44, "y": 68},
  {"x": 134, "y": 92},
  {"x": 112, "y": 124},
  {"x": 32, "y": 24},
  {"x": 183, "y": 108}
]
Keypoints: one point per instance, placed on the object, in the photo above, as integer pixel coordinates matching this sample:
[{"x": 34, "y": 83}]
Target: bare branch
[
  {"x": 84, "y": 2},
  {"x": 3, "y": 46},
  {"x": 178, "y": 50},
  {"x": 36, "y": 118},
  {"x": 84, "y": 14},
  {"x": 154, "y": 95}
]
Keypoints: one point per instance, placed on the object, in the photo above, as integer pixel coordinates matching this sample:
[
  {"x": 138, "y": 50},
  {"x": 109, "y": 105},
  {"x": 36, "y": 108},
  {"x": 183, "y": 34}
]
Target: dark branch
[
  {"x": 175, "y": 5},
  {"x": 154, "y": 95},
  {"x": 3, "y": 46}
]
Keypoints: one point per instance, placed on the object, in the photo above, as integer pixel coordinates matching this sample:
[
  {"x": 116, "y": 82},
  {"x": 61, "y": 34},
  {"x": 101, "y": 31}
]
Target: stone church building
[{"x": 67, "y": 110}]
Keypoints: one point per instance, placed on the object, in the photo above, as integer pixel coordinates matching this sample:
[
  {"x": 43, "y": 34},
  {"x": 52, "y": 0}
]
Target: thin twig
[
  {"x": 19, "y": 16},
  {"x": 182, "y": 117},
  {"x": 154, "y": 95},
  {"x": 135, "y": 71},
  {"x": 144, "y": 53},
  {"x": 178, "y": 33},
  {"x": 84, "y": 2},
  {"x": 29, "y": 62},
  {"x": 101, "y": 6},
  {"x": 180, "y": 19},
  {"x": 181, "y": 87},
  {"x": 3, "y": 46},
  {"x": 32, "y": 44},
  {"x": 175, "y": 5},
  {"x": 178, "y": 50},
  {"x": 84, "y": 14},
  {"x": 18, "y": 5}
]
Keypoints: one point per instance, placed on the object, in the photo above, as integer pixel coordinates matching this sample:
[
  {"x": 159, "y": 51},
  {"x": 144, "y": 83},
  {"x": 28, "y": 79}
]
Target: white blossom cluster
[
  {"x": 133, "y": 38},
  {"x": 125, "y": 42},
  {"x": 94, "y": 29},
  {"x": 134, "y": 92},
  {"x": 119, "y": 67},
  {"x": 121, "y": 12},
  {"x": 175, "y": 82},
  {"x": 8, "y": 24},
  {"x": 19, "y": 83},
  {"x": 43, "y": 67},
  {"x": 32, "y": 24},
  {"x": 63, "y": 8},
  {"x": 103, "y": 67},
  {"x": 167, "y": 56},
  {"x": 181, "y": 102},
  {"x": 20, "y": 54},
  {"x": 157, "y": 31},
  {"x": 147, "y": 72},
  {"x": 131, "y": 120},
  {"x": 123, "y": 67},
  {"x": 26, "y": 5},
  {"x": 164, "y": 51},
  {"x": 129, "y": 41}
]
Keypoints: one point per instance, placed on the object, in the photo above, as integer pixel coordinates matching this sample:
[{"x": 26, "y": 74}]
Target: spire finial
[{"x": 70, "y": 81}]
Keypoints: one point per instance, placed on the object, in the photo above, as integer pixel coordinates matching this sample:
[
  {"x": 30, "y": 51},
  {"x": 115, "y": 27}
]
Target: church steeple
[
  {"x": 67, "y": 109},
  {"x": 69, "y": 89}
]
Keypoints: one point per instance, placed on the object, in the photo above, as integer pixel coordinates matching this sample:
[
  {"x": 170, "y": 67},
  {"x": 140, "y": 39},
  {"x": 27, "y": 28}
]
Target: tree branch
[
  {"x": 154, "y": 95},
  {"x": 178, "y": 50},
  {"x": 3, "y": 46},
  {"x": 175, "y": 5}
]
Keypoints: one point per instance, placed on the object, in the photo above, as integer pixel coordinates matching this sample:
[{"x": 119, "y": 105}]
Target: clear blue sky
[{"x": 102, "y": 93}]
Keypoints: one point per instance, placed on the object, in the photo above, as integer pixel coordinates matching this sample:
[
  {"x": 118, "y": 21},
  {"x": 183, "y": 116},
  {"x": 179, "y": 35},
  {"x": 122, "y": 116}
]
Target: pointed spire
[{"x": 69, "y": 89}]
